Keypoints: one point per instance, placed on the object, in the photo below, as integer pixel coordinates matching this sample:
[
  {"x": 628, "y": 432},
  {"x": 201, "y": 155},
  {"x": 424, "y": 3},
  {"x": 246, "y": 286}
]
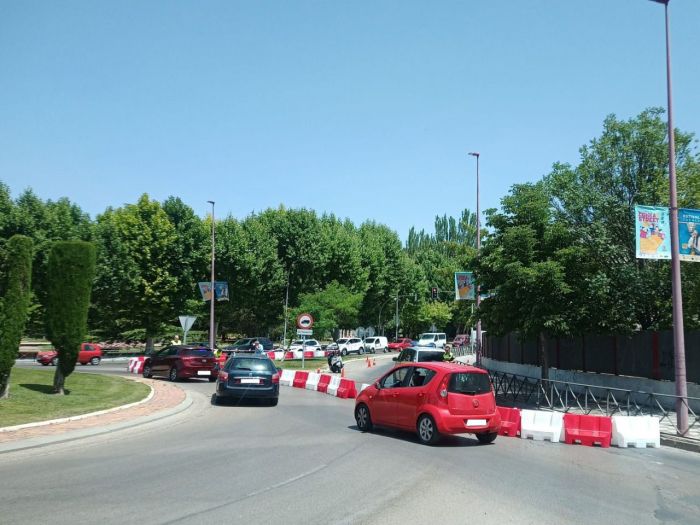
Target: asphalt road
[{"x": 304, "y": 462}]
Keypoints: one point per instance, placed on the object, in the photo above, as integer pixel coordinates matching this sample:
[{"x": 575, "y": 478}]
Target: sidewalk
[{"x": 166, "y": 399}]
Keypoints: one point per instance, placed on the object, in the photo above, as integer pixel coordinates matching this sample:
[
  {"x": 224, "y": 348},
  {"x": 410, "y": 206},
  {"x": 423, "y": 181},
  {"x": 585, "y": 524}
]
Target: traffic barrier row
[
  {"x": 588, "y": 430},
  {"x": 334, "y": 385},
  {"x": 135, "y": 365}
]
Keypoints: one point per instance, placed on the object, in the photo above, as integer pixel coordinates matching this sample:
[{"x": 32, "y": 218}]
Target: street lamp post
[
  {"x": 478, "y": 251},
  {"x": 212, "y": 325},
  {"x": 677, "y": 294}
]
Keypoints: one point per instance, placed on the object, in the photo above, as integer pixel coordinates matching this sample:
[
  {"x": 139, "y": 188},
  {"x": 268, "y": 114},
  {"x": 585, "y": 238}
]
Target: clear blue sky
[{"x": 366, "y": 109}]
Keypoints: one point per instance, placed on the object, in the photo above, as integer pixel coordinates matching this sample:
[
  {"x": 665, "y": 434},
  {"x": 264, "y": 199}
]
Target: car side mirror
[
  {"x": 377, "y": 385},
  {"x": 394, "y": 358}
]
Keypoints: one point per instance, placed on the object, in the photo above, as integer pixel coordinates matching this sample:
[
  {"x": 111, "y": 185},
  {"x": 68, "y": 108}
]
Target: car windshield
[
  {"x": 242, "y": 342},
  {"x": 426, "y": 338},
  {"x": 469, "y": 383},
  {"x": 298, "y": 342},
  {"x": 247, "y": 363},
  {"x": 430, "y": 356},
  {"x": 196, "y": 352},
  {"x": 341, "y": 341}
]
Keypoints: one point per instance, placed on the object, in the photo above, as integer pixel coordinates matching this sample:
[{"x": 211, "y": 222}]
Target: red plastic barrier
[
  {"x": 510, "y": 421},
  {"x": 587, "y": 430},
  {"x": 347, "y": 389},
  {"x": 271, "y": 355},
  {"x": 323, "y": 383},
  {"x": 300, "y": 378},
  {"x": 308, "y": 354},
  {"x": 289, "y": 355}
]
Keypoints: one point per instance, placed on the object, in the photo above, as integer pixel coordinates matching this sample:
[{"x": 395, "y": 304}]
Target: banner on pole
[
  {"x": 464, "y": 286},
  {"x": 652, "y": 232},
  {"x": 689, "y": 234},
  {"x": 220, "y": 290}
]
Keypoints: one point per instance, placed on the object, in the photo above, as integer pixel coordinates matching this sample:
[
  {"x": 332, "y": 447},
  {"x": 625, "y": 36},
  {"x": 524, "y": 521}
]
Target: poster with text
[
  {"x": 689, "y": 234},
  {"x": 464, "y": 286},
  {"x": 220, "y": 290},
  {"x": 652, "y": 232}
]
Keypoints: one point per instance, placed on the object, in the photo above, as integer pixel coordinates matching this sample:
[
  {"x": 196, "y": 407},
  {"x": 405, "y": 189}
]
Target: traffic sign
[
  {"x": 304, "y": 331},
  {"x": 305, "y": 321},
  {"x": 186, "y": 321}
]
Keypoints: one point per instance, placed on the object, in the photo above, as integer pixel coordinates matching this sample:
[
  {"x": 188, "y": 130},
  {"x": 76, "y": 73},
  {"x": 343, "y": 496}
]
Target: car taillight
[
  {"x": 443, "y": 387},
  {"x": 275, "y": 378},
  {"x": 223, "y": 376}
]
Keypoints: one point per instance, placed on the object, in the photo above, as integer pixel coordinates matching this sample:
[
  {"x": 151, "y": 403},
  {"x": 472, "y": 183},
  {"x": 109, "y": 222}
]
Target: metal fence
[{"x": 565, "y": 396}]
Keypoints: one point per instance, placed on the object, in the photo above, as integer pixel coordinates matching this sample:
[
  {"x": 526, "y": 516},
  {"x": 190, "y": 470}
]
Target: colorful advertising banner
[
  {"x": 652, "y": 232},
  {"x": 689, "y": 234},
  {"x": 464, "y": 286},
  {"x": 220, "y": 289}
]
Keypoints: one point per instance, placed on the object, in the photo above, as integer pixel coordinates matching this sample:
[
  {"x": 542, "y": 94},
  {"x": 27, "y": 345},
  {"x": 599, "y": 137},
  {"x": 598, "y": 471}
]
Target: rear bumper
[
  {"x": 224, "y": 390},
  {"x": 452, "y": 424},
  {"x": 187, "y": 372}
]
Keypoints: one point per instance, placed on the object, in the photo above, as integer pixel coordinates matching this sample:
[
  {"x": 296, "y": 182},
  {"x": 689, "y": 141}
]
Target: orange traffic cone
[
  {"x": 367, "y": 362},
  {"x": 318, "y": 370},
  {"x": 374, "y": 361}
]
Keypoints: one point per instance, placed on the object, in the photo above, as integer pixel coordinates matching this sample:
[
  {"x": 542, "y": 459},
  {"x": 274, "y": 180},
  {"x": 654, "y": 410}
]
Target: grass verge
[{"x": 31, "y": 399}]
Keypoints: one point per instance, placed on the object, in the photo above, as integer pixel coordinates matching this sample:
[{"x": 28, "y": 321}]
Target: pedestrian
[{"x": 175, "y": 340}]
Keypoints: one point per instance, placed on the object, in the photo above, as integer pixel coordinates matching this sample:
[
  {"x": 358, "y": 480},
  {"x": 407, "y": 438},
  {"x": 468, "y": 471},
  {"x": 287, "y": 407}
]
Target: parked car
[
  {"x": 435, "y": 339},
  {"x": 400, "y": 344},
  {"x": 246, "y": 345},
  {"x": 89, "y": 353},
  {"x": 431, "y": 399},
  {"x": 460, "y": 340},
  {"x": 180, "y": 362},
  {"x": 420, "y": 355},
  {"x": 351, "y": 345},
  {"x": 309, "y": 344},
  {"x": 373, "y": 344},
  {"x": 248, "y": 377}
]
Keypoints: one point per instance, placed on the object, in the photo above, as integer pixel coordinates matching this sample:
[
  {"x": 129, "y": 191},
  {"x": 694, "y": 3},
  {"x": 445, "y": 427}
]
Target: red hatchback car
[
  {"x": 89, "y": 353},
  {"x": 400, "y": 344},
  {"x": 180, "y": 362},
  {"x": 430, "y": 399}
]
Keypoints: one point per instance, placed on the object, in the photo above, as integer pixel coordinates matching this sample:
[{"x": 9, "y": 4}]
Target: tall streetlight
[
  {"x": 677, "y": 294},
  {"x": 212, "y": 325},
  {"x": 478, "y": 251}
]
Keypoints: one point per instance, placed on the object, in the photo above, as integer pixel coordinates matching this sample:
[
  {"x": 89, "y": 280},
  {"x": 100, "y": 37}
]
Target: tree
[
  {"x": 139, "y": 275},
  {"x": 14, "y": 305},
  {"x": 336, "y": 306},
  {"x": 71, "y": 272}
]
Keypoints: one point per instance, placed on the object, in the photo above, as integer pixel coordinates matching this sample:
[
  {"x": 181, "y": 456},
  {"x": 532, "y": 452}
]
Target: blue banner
[
  {"x": 220, "y": 289},
  {"x": 689, "y": 234}
]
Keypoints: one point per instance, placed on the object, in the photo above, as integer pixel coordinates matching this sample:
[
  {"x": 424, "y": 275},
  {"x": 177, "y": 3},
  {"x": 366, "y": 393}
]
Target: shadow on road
[
  {"x": 241, "y": 402},
  {"x": 448, "y": 440}
]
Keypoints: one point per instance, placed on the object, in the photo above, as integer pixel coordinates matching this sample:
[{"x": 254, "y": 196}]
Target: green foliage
[
  {"x": 334, "y": 307},
  {"x": 14, "y": 303},
  {"x": 433, "y": 313},
  {"x": 71, "y": 271}
]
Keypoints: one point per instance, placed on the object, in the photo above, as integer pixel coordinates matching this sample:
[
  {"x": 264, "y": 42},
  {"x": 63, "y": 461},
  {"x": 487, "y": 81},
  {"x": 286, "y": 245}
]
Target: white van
[
  {"x": 377, "y": 343},
  {"x": 435, "y": 339}
]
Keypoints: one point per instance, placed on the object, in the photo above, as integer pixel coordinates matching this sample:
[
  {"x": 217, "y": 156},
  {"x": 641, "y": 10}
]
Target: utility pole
[
  {"x": 212, "y": 324},
  {"x": 478, "y": 252}
]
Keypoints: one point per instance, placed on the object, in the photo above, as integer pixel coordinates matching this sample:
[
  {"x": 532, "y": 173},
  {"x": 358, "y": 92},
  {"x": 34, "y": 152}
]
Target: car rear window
[
  {"x": 469, "y": 383},
  {"x": 196, "y": 352},
  {"x": 430, "y": 356},
  {"x": 255, "y": 365}
]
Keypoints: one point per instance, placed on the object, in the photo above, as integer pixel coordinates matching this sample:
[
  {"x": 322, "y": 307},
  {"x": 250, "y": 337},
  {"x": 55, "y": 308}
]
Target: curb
[
  {"x": 96, "y": 431},
  {"x": 689, "y": 445}
]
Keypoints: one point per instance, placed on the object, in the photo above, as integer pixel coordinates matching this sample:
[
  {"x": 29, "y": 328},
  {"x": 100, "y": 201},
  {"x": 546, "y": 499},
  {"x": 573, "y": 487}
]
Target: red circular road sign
[{"x": 305, "y": 321}]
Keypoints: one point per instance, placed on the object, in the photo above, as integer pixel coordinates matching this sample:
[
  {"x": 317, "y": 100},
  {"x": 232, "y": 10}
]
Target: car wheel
[
  {"x": 44, "y": 364},
  {"x": 212, "y": 379},
  {"x": 147, "y": 372},
  {"x": 487, "y": 437},
  {"x": 344, "y": 351},
  {"x": 362, "y": 350},
  {"x": 95, "y": 361},
  {"x": 427, "y": 430},
  {"x": 385, "y": 350},
  {"x": 362, "y": 417},
  {"x": 273, "y": 402},
  {"x": 173, "y": 374},
  {"x": 216, "y": 400},
  {"x": 54, "y": 361}
]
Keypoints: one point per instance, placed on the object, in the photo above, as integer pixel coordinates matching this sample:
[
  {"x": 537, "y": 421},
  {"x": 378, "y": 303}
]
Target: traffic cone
[
  {"x": 374, "y": 361},
  {"x": 318, "y": 370},
  {"x": 369, "y": 365}
]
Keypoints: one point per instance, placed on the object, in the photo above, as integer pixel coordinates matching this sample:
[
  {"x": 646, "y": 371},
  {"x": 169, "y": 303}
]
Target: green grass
[{"x": 31, "y": 397}]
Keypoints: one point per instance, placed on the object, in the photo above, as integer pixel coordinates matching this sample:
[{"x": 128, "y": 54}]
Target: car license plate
[
  {"x": 203, "y": 372},
  {"x": 476, "y": 422},
  {"x": 250, "y": 380}
]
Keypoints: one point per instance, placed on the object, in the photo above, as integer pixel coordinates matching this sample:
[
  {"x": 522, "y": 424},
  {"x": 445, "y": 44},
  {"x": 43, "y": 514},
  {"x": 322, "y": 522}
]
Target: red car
[
  {"x": 180, "y": 362},
  {"x": 89, "y": 353},
  {"x": 431, "y": 399},
  {"x": 400, "y": 344}
]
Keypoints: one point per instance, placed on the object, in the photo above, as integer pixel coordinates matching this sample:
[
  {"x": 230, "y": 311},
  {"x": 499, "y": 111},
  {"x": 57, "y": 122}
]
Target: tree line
[{"x": 557, "y": 258}]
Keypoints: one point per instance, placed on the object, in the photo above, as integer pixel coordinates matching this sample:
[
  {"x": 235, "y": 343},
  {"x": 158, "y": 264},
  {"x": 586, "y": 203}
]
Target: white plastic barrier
[
  {"x": 636, "y": 431},
  {"x": 333, "y": 385},
  {"x": 279, "y": 355},
  {"x": 364, "y": 385},
  {"x": 287, "y": 378},
  {"x": 312, "y": 381},
  {"x": 135, "y": 365},
  {"x": 541, "y": 425},
  {"x": 319, "y": 353}
]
